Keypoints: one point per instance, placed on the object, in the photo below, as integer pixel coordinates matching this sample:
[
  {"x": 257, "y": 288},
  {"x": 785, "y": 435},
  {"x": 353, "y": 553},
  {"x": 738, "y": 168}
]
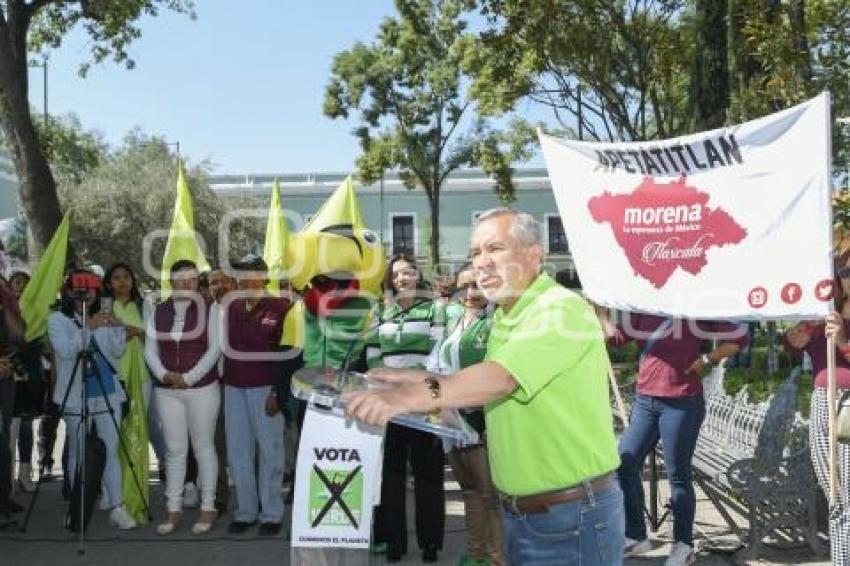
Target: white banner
[
  {"x": 338, "y": 481},
  {"x": 731, "y": 223}
]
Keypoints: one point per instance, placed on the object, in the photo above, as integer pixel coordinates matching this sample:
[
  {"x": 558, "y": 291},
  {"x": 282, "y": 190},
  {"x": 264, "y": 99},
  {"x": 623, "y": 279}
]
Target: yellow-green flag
[
  {"x": 182, "y": 243},
  {"x": 46, "y": 281},
  {"x": 274, "y": 250},
  {"x": 293, "y": 326}
]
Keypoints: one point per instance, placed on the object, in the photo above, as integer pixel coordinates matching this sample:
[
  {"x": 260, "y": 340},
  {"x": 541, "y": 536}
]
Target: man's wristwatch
[
  {"x": 707, "y": 361},
  {"x": 433, "y": 387}
]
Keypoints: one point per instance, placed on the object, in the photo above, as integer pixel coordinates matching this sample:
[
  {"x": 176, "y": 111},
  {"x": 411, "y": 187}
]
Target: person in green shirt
[
  {"x": 550, "y": 435},
  {"x": 403, "y": 335},
  {"x": 465, "y": 344}
]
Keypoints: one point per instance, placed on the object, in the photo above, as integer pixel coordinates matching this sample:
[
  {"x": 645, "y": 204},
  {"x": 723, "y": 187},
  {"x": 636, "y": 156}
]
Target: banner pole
[
  {"x": 833, "y": 439},
  {"x": 612, "y": 379}
]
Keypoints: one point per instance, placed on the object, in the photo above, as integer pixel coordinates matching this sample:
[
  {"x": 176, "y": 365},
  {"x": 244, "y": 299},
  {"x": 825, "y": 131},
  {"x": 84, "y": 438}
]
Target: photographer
[
  {"x": 106, "y": 336},
  {"x": 11, "y": 339}
]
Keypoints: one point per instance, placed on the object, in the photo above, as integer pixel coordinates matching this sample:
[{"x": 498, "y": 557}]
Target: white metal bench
[{"x": 756, "y": 457}]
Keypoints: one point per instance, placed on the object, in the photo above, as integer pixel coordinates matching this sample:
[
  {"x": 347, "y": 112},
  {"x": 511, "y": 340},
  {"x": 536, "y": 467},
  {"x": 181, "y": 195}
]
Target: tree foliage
[
  {"x": 71, "y": 150},
  {"x": 645, "y": 69},
  {"x": 408, "y": 93},
  {"x": 130, "y": 195},
  {"x": 111, "y": 26},
  {"x": 614, "y": 69}
]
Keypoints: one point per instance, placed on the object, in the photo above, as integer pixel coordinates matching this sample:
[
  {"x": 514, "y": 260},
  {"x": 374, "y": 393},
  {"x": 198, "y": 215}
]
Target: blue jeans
[
  {"x": 676, "y": 421},
  {"x": 584, "y": 532},
  {"x": 246, "y": 426}
]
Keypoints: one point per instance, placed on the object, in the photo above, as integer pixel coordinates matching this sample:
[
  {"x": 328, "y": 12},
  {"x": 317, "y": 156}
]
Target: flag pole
[
  {"x": 612, "y": 379},
  {"x": 833, "y": 439}
]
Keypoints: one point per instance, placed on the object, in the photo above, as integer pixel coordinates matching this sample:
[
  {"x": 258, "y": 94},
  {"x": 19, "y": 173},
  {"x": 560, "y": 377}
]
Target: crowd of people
[{"x": 546, "y": 480}]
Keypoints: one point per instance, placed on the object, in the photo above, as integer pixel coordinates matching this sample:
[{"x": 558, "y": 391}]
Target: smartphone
[{"x": 106, "y": 305}]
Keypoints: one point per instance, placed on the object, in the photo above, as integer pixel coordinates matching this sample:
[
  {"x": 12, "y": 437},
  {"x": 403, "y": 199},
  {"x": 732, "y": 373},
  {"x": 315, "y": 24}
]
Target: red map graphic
[{"x": 665, "y": 226}]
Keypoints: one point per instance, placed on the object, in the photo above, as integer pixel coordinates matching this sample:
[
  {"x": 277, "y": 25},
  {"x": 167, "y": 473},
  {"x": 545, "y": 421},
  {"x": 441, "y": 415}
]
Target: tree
[
  {"x": 414, "y": 114},
  {"x": 783, "y": 53},
  {"x": 72, "y": 152},
  {"x": 709, "y": 97},
  {"x": 609, "y": 69},
  {"x": 29, "y": 26},
  {"x": 130, "y": 195},
  {"x": 644, "y": 69}
]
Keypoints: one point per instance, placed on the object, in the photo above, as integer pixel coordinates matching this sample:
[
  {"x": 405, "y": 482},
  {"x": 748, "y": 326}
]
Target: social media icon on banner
[
  {"x": 825, "y": 290},
  {"x": 791, "y": 293},
  {"x": 757, "y": 297}
]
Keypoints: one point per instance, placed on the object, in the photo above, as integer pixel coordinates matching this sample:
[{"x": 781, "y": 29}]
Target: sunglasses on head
[{"x": 844, "y": 272}]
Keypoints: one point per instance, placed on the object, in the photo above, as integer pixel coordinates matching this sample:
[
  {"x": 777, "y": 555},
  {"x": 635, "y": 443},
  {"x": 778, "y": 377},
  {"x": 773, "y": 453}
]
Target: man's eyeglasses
[{"x": 844, "y": 272}]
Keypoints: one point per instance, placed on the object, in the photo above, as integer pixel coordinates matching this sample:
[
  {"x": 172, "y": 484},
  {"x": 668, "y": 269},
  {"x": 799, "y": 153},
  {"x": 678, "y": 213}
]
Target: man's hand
[
  {"x": 174, "y": 380},
  {"x": 378, "y": 407},
  {"x": 397, "y": 375},
  {"x": 272, "y": 404}
]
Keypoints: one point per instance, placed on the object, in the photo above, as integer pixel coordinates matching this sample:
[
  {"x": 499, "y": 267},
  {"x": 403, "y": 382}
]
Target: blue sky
[{"x": 242, "y": 88}]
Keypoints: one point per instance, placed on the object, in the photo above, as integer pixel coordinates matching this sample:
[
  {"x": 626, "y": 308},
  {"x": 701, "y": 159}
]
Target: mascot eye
[{"x": 369, "y": 237}]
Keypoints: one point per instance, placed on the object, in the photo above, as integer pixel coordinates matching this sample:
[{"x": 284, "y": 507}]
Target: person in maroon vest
[
  {"x": 182, "y": 350},
  {"x": 253, "y": 368}
]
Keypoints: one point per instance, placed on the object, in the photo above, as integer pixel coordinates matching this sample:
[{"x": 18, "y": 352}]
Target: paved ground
[{"x": 47, "y": 543}]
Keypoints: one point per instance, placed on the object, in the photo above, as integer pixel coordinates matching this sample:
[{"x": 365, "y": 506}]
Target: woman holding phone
[{"x": 121, "y": 299}]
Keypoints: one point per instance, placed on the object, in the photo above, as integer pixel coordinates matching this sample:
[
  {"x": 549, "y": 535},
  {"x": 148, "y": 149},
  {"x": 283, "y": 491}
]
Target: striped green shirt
[{"x": 403, "y": 338}]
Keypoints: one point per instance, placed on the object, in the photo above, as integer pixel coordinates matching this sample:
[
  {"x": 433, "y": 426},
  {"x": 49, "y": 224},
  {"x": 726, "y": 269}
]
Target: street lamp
[
  {"x": 43, "y": 65},
  {"x": 176, "y": 145}
]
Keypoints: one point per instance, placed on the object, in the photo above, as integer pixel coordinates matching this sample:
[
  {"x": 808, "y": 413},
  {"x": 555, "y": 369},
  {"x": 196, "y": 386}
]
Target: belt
[{"x": 542, "y": 502}]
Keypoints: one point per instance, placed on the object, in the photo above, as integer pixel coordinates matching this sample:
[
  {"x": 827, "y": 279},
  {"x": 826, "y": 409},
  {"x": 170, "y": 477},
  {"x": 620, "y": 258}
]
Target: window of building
[
  {"x": 556, "y": 237},
  {"x": 403, "y": 233}
]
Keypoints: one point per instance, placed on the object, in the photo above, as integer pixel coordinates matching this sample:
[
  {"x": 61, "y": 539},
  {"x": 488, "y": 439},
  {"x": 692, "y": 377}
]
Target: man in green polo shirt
[{"x": 550, "y": 431}]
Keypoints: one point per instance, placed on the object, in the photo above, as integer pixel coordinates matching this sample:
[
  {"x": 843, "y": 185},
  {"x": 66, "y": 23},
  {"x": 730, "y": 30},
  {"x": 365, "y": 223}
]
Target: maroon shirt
[
  {"x": 254, "y": 332},
  {"x": 816, "y": 348},
  {"x": 663, "y": 370}
]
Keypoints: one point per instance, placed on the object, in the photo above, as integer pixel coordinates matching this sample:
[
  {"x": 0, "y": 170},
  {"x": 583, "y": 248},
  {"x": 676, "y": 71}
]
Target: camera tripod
[{"x": 85, "y": 361}]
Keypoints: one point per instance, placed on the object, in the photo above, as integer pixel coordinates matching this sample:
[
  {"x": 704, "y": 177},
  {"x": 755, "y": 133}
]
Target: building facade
[{"x": 402, "y": 216}]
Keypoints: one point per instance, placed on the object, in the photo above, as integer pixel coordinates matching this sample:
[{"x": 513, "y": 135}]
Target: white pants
[{"x": 184, "y": 413}]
